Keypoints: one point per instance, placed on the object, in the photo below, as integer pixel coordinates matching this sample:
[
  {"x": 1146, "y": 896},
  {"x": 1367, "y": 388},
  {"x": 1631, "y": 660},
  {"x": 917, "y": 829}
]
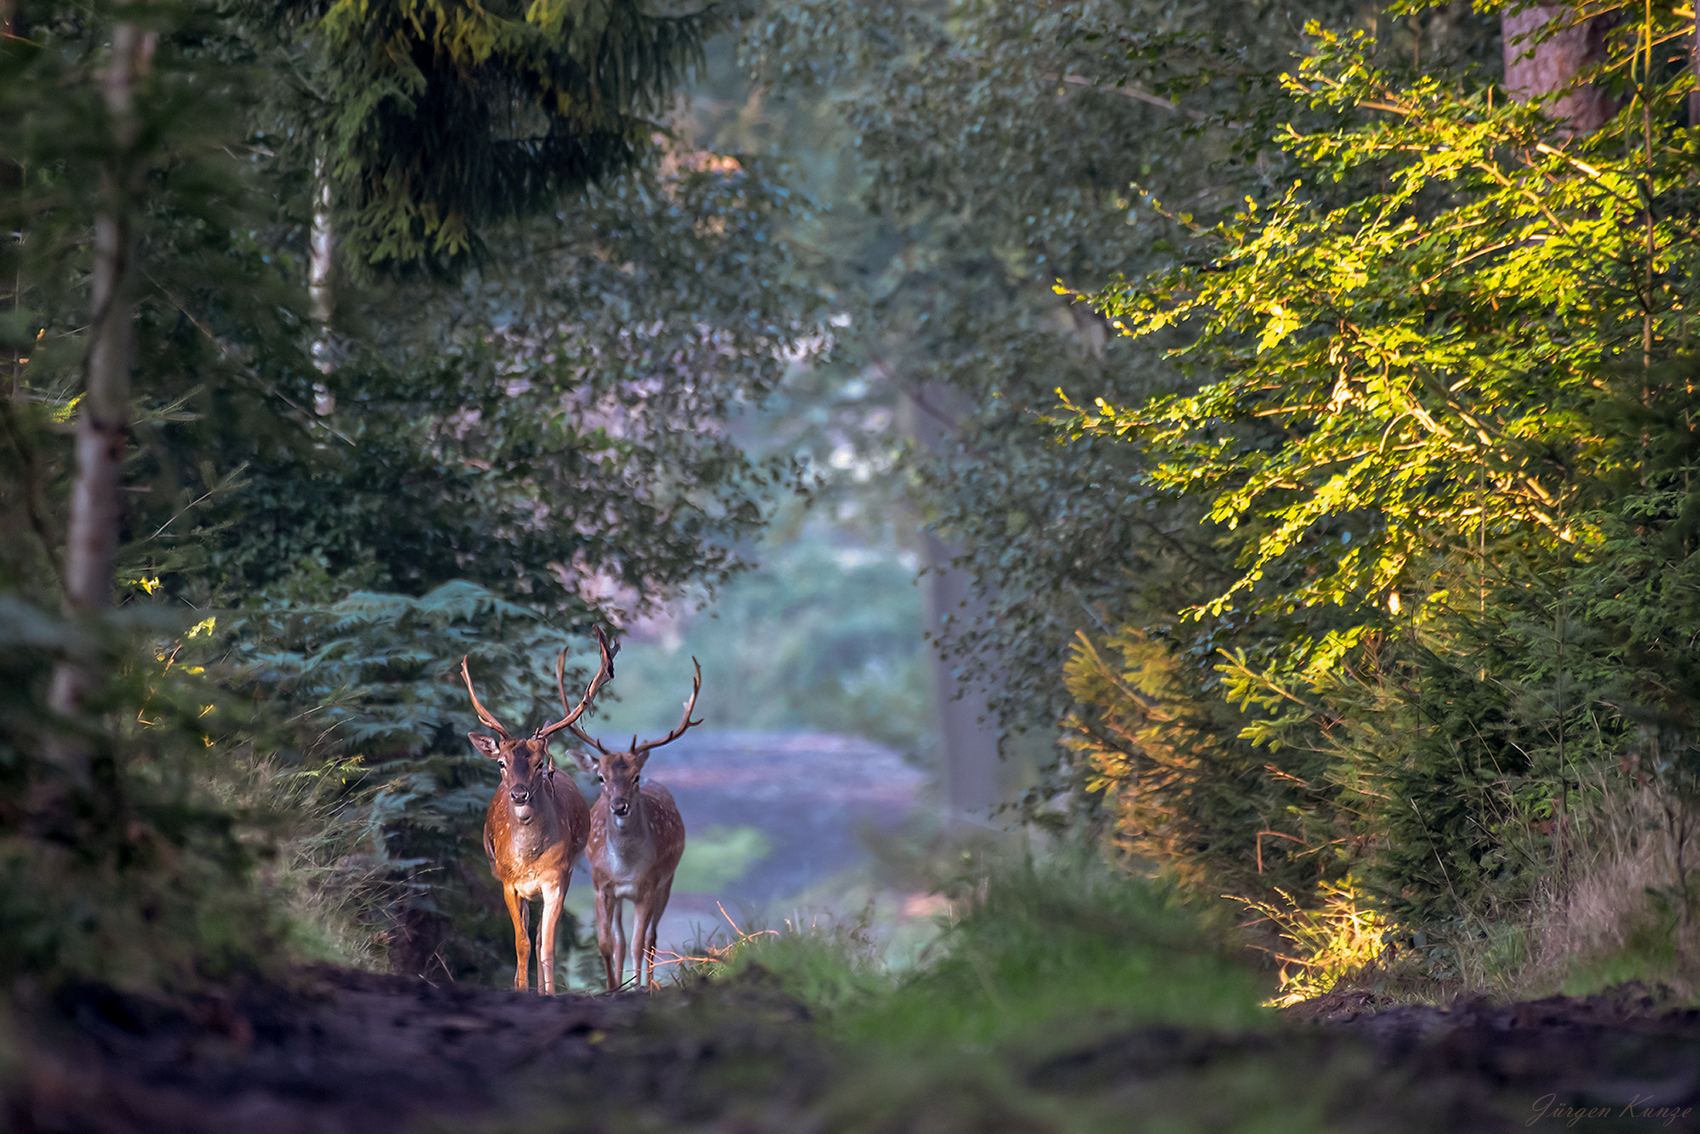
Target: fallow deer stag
[
  {"x": 636, "y": 839},
  {"x": 536, "y": 826}
]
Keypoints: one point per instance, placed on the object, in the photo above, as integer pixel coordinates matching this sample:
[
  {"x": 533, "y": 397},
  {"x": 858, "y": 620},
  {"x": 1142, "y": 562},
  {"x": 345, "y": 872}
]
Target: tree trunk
[
  {"x": 321, "y": 249},
  {"x": 1694, "y": 66},
  {"x": 1533, "y": 70},
  {"x": 103, "y": 422},
  {"x": 968, "y": 738}
]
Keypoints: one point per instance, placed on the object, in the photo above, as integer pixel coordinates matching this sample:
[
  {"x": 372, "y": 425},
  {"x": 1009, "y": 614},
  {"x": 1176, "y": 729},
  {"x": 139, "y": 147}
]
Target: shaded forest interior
[{"x": 1239, "y": 455}]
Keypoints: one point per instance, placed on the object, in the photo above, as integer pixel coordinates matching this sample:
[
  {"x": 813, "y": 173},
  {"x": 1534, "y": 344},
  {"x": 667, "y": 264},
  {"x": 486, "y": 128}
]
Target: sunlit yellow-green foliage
[
  {"x": 1336, "y": 943},
  {"x": 1426, "y": 319},
  {"x": 1439, "y": 413}
]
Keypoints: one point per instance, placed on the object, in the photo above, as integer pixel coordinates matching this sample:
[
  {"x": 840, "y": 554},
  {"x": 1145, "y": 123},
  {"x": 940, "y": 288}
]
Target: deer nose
[
  {"x": 622, "y": 808},
  {"x": 520, "y": 796}
]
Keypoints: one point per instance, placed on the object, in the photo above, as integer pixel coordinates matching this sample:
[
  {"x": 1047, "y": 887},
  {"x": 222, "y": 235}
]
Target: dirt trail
[
  {"x": 335, "y": 1051},
  {"x": 341, "y": 1052},
  {"x": 332, "y": 1051}
]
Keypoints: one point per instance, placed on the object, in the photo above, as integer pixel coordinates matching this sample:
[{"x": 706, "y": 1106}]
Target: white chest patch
[{"x": 628, "y": 860}]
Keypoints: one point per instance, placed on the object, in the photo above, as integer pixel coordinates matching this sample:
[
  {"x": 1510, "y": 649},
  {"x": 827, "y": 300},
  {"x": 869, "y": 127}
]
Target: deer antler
[
  {"x": 604, "y": 674},
  {"x": 490, "y": 722},
  {"x": 639, "y": 749},
  {"x": 685, "y": 722}
]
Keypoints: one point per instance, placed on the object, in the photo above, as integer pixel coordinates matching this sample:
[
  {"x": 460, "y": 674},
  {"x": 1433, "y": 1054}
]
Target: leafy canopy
[{"x": 1406, "y": 350}]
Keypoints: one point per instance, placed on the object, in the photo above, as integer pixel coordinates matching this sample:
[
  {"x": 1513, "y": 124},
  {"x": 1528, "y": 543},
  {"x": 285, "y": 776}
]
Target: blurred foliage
[
  {"x": 822, "y": 636},
  {"x": 1376, "y": 525},
  {"x": 718, "y": 856},
  {"x": 537, "y": 432},
  {"x": 144, "y": 877},
  {"x": 1049, "y": 947},
  {"x": 978, "y": 153}
]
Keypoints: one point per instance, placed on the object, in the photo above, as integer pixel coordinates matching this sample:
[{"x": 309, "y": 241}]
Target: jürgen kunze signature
[{"x": 1548, "y": 1106}]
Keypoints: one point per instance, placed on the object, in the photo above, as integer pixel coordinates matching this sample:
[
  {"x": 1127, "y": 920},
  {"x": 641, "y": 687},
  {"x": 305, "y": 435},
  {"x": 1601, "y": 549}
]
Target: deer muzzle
[{"x": 520, "y": 802}]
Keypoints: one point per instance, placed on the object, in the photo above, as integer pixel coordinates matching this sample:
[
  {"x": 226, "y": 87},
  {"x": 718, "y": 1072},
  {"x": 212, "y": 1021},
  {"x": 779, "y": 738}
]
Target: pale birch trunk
[
  {"x": 321, "y": 246},
  {"x": 103, "y": 420}
]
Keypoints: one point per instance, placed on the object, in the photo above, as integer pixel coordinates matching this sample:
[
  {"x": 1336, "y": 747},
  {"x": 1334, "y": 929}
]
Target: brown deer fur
[
  {"x": 636, "y": 840},
  {"x": 537, "y": 825}
]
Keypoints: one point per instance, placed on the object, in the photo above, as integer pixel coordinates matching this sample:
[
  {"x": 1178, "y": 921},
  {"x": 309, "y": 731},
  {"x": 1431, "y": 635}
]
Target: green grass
[{"x": 1051, "y": 950}]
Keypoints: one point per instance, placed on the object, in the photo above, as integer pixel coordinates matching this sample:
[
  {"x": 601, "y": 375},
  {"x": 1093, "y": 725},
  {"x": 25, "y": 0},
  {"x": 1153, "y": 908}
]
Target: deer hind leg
[
  {"x": 651, "y": 927},
  {"x": 519, "y": 910},
  {"x": 554, "y": 897}
]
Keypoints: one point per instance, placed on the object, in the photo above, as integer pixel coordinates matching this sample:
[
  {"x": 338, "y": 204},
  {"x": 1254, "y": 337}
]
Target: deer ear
[
  {"x": 584, "y": 761},
  {"x": 485, "y": 744}
]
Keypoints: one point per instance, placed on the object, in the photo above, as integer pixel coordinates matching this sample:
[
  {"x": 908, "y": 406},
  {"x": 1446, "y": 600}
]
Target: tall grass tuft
[
  {"x": 1623, "y": 909},
  {"x": 328, "y": 889}
]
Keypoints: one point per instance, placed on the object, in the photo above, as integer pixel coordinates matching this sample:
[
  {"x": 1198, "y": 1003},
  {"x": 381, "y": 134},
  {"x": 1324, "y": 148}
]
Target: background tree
[{"x": 995, "y": 147}]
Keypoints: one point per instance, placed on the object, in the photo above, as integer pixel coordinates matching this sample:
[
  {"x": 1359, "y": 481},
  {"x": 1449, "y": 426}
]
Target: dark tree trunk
[
  {"x": 1694, "y": 65},
  {"x": 1555, "y": 64}
]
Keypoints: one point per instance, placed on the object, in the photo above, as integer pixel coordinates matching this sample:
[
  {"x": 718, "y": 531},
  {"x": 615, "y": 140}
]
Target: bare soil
[{"x": 341, "y": 1052}]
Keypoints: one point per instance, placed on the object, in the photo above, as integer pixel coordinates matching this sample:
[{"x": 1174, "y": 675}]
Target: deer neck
[
  {"x": 629, "y": 833},
  {"x": 529, "y": 840}
]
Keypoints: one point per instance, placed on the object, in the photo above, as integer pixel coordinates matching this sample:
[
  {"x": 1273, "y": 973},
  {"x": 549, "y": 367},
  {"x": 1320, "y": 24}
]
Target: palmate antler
[
  {"x": 642, "y": 749},
  {"x": 604, "y": 675}
]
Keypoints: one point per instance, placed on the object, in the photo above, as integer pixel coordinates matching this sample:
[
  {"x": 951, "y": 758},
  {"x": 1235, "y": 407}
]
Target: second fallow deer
[
  {"x": 636, "y": 840},
  {"x": 537, "y": 825}
]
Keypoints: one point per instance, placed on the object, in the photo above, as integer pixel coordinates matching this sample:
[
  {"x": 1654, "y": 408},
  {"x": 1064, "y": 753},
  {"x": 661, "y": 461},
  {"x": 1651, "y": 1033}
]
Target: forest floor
[{"x": 333, "y": 1051}]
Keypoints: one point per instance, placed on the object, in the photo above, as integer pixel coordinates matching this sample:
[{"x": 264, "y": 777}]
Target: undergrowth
[
  {"x": 1062, "y": 995},
  {"x": 1621, "y": 909},
  {"x": 1047, "y": 947},
  {"x": 1342, "y": 942}
]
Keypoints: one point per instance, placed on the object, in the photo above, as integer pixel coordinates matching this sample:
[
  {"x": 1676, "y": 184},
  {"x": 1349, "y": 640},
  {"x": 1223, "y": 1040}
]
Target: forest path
[{"x": 338, "y": 1052}]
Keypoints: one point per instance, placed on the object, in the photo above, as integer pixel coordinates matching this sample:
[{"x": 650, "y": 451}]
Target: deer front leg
[
  {"x": 554, "y": 897},
  {"x": 519, "y": 910},
  {"x": 606, "y": 907},
  {"x": 643, "y": 966},
  {"x": 618, "y": 907}
]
